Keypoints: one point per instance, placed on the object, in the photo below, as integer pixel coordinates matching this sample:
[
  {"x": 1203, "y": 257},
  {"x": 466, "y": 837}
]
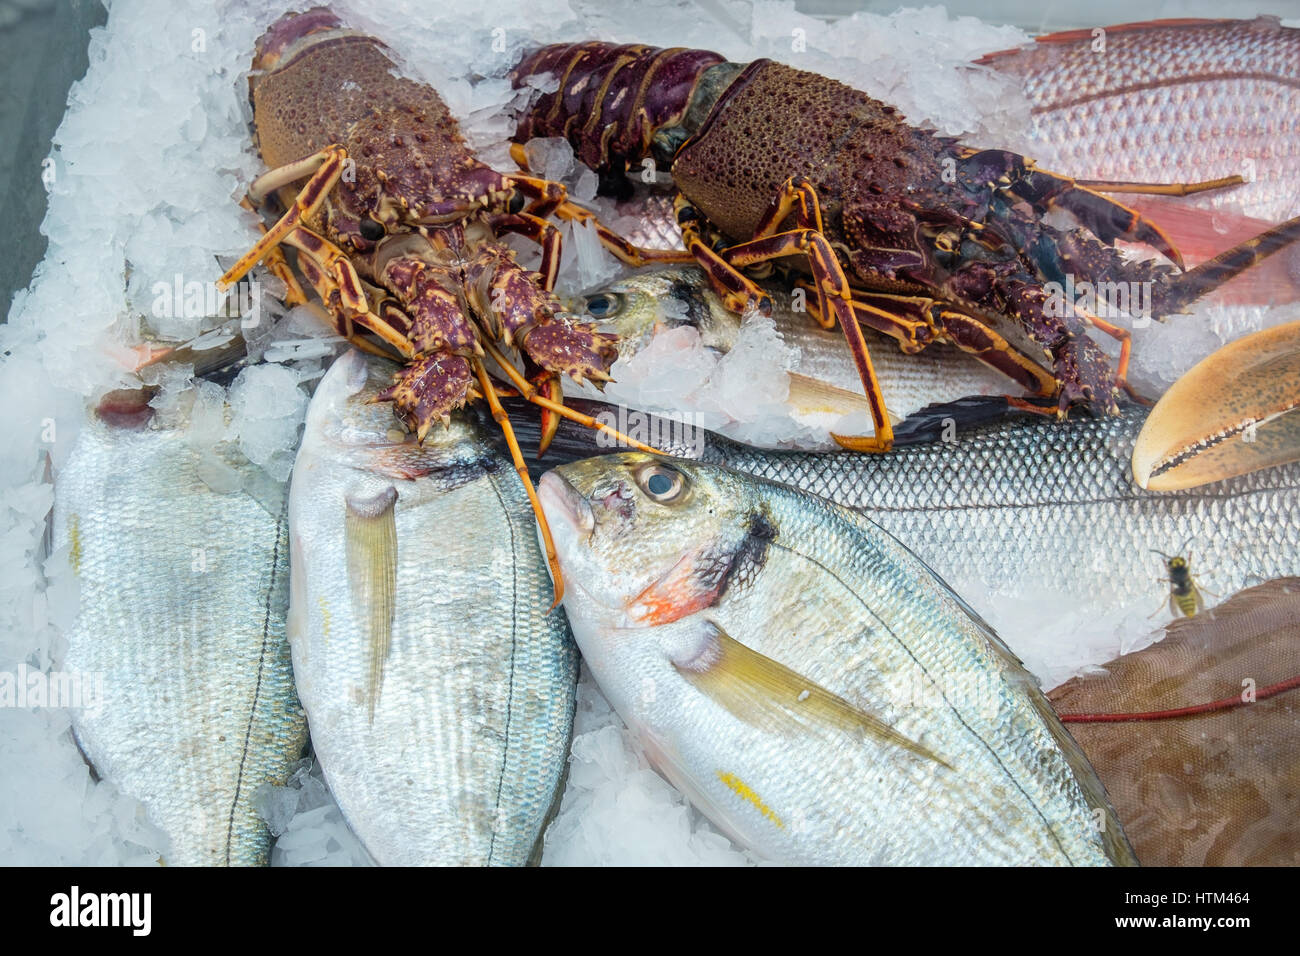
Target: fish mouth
[
  {"x": 565, "y": 506},
  {"x": 572, "y": 524},
  {"x": 1234, "y": 412}
]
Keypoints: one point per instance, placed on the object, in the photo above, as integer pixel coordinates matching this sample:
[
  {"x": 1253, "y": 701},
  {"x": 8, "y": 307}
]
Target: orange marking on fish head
[{"x": 690, "y": 585}]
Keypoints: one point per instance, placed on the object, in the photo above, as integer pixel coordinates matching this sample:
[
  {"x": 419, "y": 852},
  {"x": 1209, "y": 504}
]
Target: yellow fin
[
  {"x": 771, "y": 696},
  {"x": 809, "y": 394},
  {"x": 370, "y": 528}
]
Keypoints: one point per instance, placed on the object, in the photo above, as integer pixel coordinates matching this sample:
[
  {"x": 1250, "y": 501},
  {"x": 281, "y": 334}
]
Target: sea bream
[
  {"x": 183, "y": 596},
  {"x": 779, "y": 383},
  {"x": 439, "y": 688},
  {"x": 807, "y": 682}
]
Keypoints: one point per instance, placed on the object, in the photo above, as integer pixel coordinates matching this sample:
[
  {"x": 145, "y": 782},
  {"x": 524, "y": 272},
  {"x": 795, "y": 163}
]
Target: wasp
[{"x": 1185, "y": 595}]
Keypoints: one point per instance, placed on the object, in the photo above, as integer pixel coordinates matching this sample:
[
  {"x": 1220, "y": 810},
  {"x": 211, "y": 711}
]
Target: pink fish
[{"x": 1178, "y": 101}]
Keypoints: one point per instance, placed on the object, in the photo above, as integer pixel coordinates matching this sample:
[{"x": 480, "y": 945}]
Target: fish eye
[
  {"x": 372, "y": 229},
  {"x": 604, "y": 305},
  {"x": 660, "y": 482}
]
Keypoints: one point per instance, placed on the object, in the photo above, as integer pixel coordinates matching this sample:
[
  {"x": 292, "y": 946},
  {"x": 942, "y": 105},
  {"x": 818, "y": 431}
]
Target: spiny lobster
[
  {"x": 902, "y": 230},
  {"x": 396, "y": 226}
]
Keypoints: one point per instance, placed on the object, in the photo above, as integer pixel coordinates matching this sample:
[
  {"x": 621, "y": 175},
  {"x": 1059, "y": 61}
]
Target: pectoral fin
[
  {"x": 771, "y": 696},
  {"x": 370, "y": 528},
  {"x": 809, "y": 395}
]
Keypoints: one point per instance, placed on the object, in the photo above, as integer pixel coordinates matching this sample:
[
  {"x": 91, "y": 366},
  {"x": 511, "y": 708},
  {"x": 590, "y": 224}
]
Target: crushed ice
[{"x": 147, "y": 165}]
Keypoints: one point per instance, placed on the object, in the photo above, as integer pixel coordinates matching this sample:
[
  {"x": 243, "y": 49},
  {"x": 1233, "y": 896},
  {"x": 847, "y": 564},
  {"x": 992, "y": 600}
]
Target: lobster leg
[
  {"x": 833, "y": 293},
  {"x": 279, "y": 266},
  {"x": 343, "y": 324},
  {"x": 503, "y": 420},
  {"x": 798, "y": 196},
  {"x": 912, "y": 320},
  {"x": 1210, "y": 274},
  {"x": 977, "y": 339},
  {"x": 620, "y": 248},
  {"x": 337, "y": 284},
  {"x": 533, "y": 227},
  {"x": 1159, "y": 189},
  {"x": 1125, "y": 340},
  {"x": 531, "y": 394},
  {"x": 324, "y": 169},
  {"x": 1104, "y": 217},
  {"x": 546, "y": 196},
  {"x": 905, "y": 318},
  {"x": 738, "y": 293},
  {"x": 548, "y": 386}
]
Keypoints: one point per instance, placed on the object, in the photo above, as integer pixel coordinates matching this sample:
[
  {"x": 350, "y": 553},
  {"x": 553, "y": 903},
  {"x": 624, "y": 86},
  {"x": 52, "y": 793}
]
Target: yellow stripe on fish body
[
  {"x": 324, "y": 617},
  {"x": 74, "y": 543},
  {"x": 743, "y": 790}
]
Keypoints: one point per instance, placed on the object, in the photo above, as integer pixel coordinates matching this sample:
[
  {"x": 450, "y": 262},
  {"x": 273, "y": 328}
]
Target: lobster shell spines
[{"x": 774, "y": 122}]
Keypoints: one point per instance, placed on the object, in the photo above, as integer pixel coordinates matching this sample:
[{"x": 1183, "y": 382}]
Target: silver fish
[
  {"x": 183, "y": 597},
  {"x": 1029, "y": 505},
  {"x": 810, "y": 685},
  {"x": 439, "y": 689},
  {"x": 1054, "y": 505},
  {"x": 818, "y": 393}
]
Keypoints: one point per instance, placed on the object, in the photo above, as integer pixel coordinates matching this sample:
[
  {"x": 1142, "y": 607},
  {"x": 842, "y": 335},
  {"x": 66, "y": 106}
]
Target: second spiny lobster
[{"x": 900, "y": 229}]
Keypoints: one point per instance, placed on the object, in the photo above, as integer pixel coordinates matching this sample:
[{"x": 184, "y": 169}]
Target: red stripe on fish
[{"x": 1071, "y": 36}]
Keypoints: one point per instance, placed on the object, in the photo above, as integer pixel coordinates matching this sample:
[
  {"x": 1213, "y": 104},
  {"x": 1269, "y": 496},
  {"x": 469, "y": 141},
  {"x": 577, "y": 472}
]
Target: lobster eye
[
  {"x": 516, "y": 203},
  {"x": 660, "y": 482},
  {"x": 604, "y": 305},
  {"x": 372, "y": 229}
]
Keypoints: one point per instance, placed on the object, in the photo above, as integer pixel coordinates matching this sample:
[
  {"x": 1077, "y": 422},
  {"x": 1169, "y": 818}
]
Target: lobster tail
[{"x": 612, "y": 98}]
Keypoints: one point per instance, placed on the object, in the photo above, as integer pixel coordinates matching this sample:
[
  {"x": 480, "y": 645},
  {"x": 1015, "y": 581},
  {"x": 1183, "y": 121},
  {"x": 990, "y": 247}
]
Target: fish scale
[
  {"x": 1171, "y": 102},
  {"x": 1035, "y": 503},
  {"x": 184, "y": 593},
  {"x": 960, "y": 759},
  {"x": 1027, "y": 507},
  {"x": 455, "y": 757},
  {"x": 894, "y": 590}
]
